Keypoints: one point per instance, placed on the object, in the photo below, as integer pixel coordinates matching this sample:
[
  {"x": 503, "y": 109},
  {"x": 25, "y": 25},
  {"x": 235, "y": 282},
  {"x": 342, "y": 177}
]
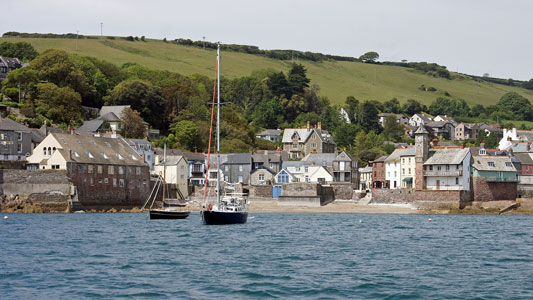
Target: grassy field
[{"x": 337, "y": 80}]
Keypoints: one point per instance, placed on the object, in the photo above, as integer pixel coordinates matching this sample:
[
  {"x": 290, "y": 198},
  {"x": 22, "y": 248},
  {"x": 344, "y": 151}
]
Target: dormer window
[
  {"x": 490, "y": 163},
  {"x": 133, "y": 157},
  {"x": 90, "y": 155},
  {"x": 104, "y": 155},
  {"x": 482, "y": 152},
  {"x": 64, "y": 142},
  {"x": 108, "y": 144},
  {"x": 508, "y": 164},
  {"x": 75, "y": 153},
  {"x": 120, "y": 144},
  {"x": 120, "y": 156}
]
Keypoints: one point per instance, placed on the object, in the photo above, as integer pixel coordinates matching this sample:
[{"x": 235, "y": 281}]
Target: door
[
  {"x": 276, "y": 191},
  {"x": 438, "y": 184}
]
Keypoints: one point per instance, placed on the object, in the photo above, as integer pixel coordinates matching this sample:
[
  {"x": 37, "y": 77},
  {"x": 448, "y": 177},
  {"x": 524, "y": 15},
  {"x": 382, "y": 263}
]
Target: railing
[
  {"x": 502, "y": 179},
  {"x": 444, "y": 173}
]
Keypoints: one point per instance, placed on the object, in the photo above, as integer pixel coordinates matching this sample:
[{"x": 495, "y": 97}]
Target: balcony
[
  {"x": 454, "y": 173},
  {"x": 503, "y": 179}
]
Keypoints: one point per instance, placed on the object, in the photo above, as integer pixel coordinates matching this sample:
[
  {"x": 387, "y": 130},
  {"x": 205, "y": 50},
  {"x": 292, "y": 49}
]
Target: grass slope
[{"x": 337, "y": 80}]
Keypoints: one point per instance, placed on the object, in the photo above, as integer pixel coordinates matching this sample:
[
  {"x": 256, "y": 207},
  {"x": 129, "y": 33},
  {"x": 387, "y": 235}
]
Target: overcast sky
[{"x": 473, "y": 37}]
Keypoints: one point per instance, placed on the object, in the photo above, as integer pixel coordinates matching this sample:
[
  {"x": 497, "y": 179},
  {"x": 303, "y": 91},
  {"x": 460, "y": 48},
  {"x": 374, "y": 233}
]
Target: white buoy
[
  {"x": 430, "y": 219},
  {"x": 6, "y": 217},
  {"x": 360, "y": 221}
]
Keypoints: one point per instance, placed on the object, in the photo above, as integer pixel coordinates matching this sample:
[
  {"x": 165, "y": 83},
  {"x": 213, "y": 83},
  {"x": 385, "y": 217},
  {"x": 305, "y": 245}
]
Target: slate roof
[
  {"x": 116, "y": 109},
  {"x": 171, "y": 160},
  {"x": 446, "y": 156},
  {"x": 292, "y": 163},
  {"x": 263, "y": 168},
  {"x": 366, "y": 169},
  {"x": 436, "y": 124},
  {"x": 190, "y": 156},
  {"x": 424, "y": 117},
  {"x": 116, "y": 151},
  {"x": 409, "y": 152},
  {"x": 272, "y": 156},
  {"x": 319, "y": 159},
  {"x": 304, "y": 134},
  {"x": 239, "y": 158},
  {"x": 522, "y": 147},
  {"x": 270, "y": 132},
  {"x": 343, "y": 156},
  {"x": 36, "y": 135},
  {"x": 383, "y": 158},
  {"x": 395, "y": 155},
  {"x": 109, "y": 117},
  {"x": 524, "y": 158},
  {"x": 481, "y": 163},
  {"x": 90, "y": 126},
  {"x": 160, "y": 151},
  {"x": 525, "y": 135},
  {"x": 10, "y": 125},
  {"x": 421, "y": 129}
]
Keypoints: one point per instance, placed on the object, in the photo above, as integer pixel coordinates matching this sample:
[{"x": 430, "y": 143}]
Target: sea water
[{"x": 292, "y": 256}]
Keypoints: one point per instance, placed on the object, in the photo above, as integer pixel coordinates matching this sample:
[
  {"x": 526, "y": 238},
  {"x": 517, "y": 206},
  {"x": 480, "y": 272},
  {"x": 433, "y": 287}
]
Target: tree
[
  {"x": 393, "y": 130},
  {"x": 345, "y": 134},
  {"x": 352, "y": 105},
  {"x": 477, "y": 110},
  {"x": 61, "y": 105},
  {"x": 268, "y": 114},
  {"x": 297, "y": 79},
  {"x": 516, "y": 104},
  {"x": 21, "y": 50},
  {"x": 411, "y": 107},
  {"x": 369, "y": 57},
  {"x": 143, "y": 97},
  {"x": 529, "y": 85},
  {"x": 23, "y": 78},
  {"x": 278, "y": 85},
  {"x": 186, "y": 133},
  {"x": 367, "y": 147},
  {"x": 368, "y": 117},
  {"x": 132, "y": 124},
  {"x": 392, "y": 106}
]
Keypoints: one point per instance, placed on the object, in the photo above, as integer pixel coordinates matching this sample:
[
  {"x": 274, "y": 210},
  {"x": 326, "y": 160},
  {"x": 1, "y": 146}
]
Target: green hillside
[{"x": 337, "y": 79}]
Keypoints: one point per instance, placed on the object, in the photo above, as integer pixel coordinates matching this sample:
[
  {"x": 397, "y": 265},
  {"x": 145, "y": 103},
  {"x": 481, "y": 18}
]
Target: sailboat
[
  {"x": 232, "y": 208},
  {"x": 170, "y": 208}
]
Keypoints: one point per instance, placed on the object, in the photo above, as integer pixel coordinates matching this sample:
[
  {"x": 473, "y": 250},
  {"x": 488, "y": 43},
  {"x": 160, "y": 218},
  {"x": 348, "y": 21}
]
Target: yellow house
[{"x": 407, "y": 168}]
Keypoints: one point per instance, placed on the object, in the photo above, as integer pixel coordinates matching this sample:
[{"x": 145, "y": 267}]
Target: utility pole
[
  {"x": 19, "y": 92},
  {"x": 101, "y": 30},
  {"x": 77, "y": 32},
  {"x": 204, "y": 41}
]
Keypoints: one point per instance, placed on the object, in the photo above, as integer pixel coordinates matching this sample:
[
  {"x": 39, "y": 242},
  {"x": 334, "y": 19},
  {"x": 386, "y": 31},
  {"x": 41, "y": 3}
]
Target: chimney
[
  {"x": 482, "y": 144},
  {"x": 514, "y": 132},
  {"x": 319, "y": 125},
  {"x": 528, "y": 147},
  {"x": 462, "y": 146},
  {"x": 144, "y": 156},
  {"x": 308, "y": 125},
  {"x": 72, "y": 131}
]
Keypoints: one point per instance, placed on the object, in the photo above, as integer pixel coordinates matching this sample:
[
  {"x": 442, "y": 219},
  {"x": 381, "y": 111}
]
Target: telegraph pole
[
  {"x": 204, "y": 41},
  {"x": 77, "y": 32},
  {"x": 101, "y": 30}
]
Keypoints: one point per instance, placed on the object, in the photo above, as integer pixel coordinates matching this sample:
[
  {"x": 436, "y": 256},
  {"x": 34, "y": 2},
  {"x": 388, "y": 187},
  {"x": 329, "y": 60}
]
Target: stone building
[
  {"x": 197, "y": 168},
  {"x": 262, "y": 176},
  {"x": 494, "y": 178},
  {"x": 270, "y": 159},
  {"x": 105, "y": 171},
  {"x": 273, "y": 135},
  {"x": 466, "y": 131},
  {"x": 300, "y": 142},
  {"x": 237, "y": 168}
]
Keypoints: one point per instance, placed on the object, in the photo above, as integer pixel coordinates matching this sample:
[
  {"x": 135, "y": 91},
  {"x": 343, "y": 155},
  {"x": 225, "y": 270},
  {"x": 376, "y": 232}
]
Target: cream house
[
  {"x": 408, "y": 165},
  {"x": 176, "y": 173}
]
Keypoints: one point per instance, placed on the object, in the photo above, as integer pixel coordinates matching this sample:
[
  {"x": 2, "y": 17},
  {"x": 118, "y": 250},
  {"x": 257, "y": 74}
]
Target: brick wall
[
  {"x": 490, "y": 191},
  {"x": 409, "y": 196}
]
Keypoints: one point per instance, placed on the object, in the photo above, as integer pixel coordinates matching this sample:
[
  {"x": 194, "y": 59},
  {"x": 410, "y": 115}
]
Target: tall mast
[
  {"x": 218, "y": 123},
  {"x": 164, "y": 171}
]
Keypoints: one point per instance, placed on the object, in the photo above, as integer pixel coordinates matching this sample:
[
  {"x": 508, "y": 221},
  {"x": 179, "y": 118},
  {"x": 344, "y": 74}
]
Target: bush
[{"x": 129, "y": 38}]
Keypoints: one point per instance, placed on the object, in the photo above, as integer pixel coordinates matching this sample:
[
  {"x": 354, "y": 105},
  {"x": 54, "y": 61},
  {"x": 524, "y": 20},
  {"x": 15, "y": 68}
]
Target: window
[
  {"x": 111, "y": 170},
  {"x": 507, "y": 164},
  {"x": 239, "y": 179},
  {"x": 120, "y": 170},
  {"x": 114, "y": 182},
  {"x": 409, "y": 170},
  {"x": 91, "y": 181},
  {"x": 19, "y": 148},
  {"x": 44, "y": 151},
  {"x": 133, "y": 156},
  {"x": 447, "y": 167},
  {"x": 19, "y": 134},
  {"x": 482, "y": 151},
  {"x": 120, "y": 157},
  {"x": 403, "y": 160},
  {"x": 75, "y": 153},
  {"x": 456, "y": 180},
  {"x": 121, "y": 183},
  {"x": 104, "y": 155},
  {"x": 100, "y": 180},
  {"x": 261, "y": 177},
  {"x": 313, "y": 145},
  {"x": 226, "y": 178},
  {"x": 438, "y": 168},
  {"x": 341, "y": 166},
  {"x": 106, "y": 180},
  {"x": 240, "y": 168},
  {"x": 271, "y": 165},
  {"x": 294, "y": 146},
  {"x": 182, "y": 176},
  {"x": 490, "y": 163},
  {"x": 297, "y": 169},
  {"x": 90, "y": 169},
  {"x": 90, "y": 155},
  {"x": 306, "y": 169},
  {"x": 307, "y": 178},
  {"x": 226, "y": 168},
  {"x": 431, "y": 168},
  {"x": 403, "y": 171},
  {"x": 130, "y": 170},
  {"x": 100, "y": 169},
  {"x": 138, "y": 171},
  {"x": 409, "y": 159}
]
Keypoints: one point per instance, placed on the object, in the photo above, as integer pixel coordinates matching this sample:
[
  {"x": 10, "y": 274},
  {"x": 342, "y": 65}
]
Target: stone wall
[
  {"x": 261, "y": 191},
  {"x": 34, "y": 191},
  {"x": 306, "y": 194},
  {"x": 342, "y": 191},
  {"x": 491, "y": 191},
  {"x": 411, "y": 196},
  {"x": 524, "y": 190}
]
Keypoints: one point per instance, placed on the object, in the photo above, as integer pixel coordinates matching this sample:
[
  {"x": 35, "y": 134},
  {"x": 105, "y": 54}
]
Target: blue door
[{"x": 276, "y": 191}]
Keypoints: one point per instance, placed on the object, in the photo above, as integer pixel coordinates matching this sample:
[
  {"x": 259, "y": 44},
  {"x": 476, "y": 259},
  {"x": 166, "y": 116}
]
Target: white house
[
  {"x": 448, "y": 169},
  {"x": 176, "y": 171},
  {"x": 345, "y": 115},
  {"x": 284, "y": 176},
  {"x": 393, "y": 169},
  {"x": 419, "y": 119}
]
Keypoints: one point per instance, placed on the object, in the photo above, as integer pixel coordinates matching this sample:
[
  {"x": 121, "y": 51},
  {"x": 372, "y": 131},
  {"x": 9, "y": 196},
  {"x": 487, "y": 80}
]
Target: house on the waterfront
[
  {"x": 237, "y": 168},
  {"x": 378, "y": 173},
  {"x": 15, "y": 140},
  {"x": 365, "y": 178},
  {"x": 174, "y": 170},
  {"x": 419, "y": 119},
  {"x": 300, "y": 142},
  {"x": 213, "y": 168},
  {"x": 525, "y": 174},
  {"x": 270, "y": 159},
  {"x": 105, "y": 171},
  {"x": 196, "y": 168},
  {"x": 393, "y": 169},
  {"x": 284, "y": 176},
  {"x": 408, "y": 165},
  {"x": 273, "y": 135},
  {"x": 494, "y": 178},
  {"x": 261, "y": 175}
]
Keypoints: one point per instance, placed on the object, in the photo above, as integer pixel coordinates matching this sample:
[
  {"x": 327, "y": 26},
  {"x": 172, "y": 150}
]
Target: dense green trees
[
  {"x": 21, "y": 50},
  {"x": 517, "y": 105},
  {"x": 132, "y": 125},
  {"x": 369, "y": 57}
]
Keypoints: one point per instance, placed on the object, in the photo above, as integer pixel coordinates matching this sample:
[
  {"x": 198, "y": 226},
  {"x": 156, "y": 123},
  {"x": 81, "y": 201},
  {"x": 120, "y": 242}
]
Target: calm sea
[{"x": 294, "y": 256}]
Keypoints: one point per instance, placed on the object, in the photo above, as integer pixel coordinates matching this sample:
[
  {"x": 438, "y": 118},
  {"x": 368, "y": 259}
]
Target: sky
[{"x": 473, "y": 37}]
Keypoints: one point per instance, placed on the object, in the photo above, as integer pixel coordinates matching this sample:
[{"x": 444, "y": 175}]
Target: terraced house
[
  {"x": 300, "y": 142},
  {"x": 105, "y": 171}
]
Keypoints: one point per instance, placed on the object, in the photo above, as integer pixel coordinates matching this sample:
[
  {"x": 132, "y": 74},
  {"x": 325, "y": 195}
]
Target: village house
[
  {"x": 444, "y": 130},
  {"x": 300, "y": 142},
  {"x": 408, "y": 165},
  {"x": 213, "y": 171},
  {"x": 8, "y": 64},
  {"x": 284, "y": 176},
  {"x": 393, "y": 169},
  {"x": 196, "y": 168},
  {"x": 494, "y": 178},
  {"x": 378, "y": 173},
  {"x": 273, "y": 135},
  {"x": 270, "y": 159},
  {"x": 105, "y": 171},
  {"x": 446, "y": 119},
  {"x": 466, "y": 131},
  {"x": 15, "y": 140},
  {"x": 365, "y": 178},
  {"x": 261, "y": 175},
  {"x": 399, "y": 118},
  {"x": 237, "y": 168},
  {"x": 144, "y": 149},
  {"x": 525, "y": 174},
  {"x": 342, "y": 166},
  {"x": 174, "y": 170},
  {"x": 419, "y": 119}
]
